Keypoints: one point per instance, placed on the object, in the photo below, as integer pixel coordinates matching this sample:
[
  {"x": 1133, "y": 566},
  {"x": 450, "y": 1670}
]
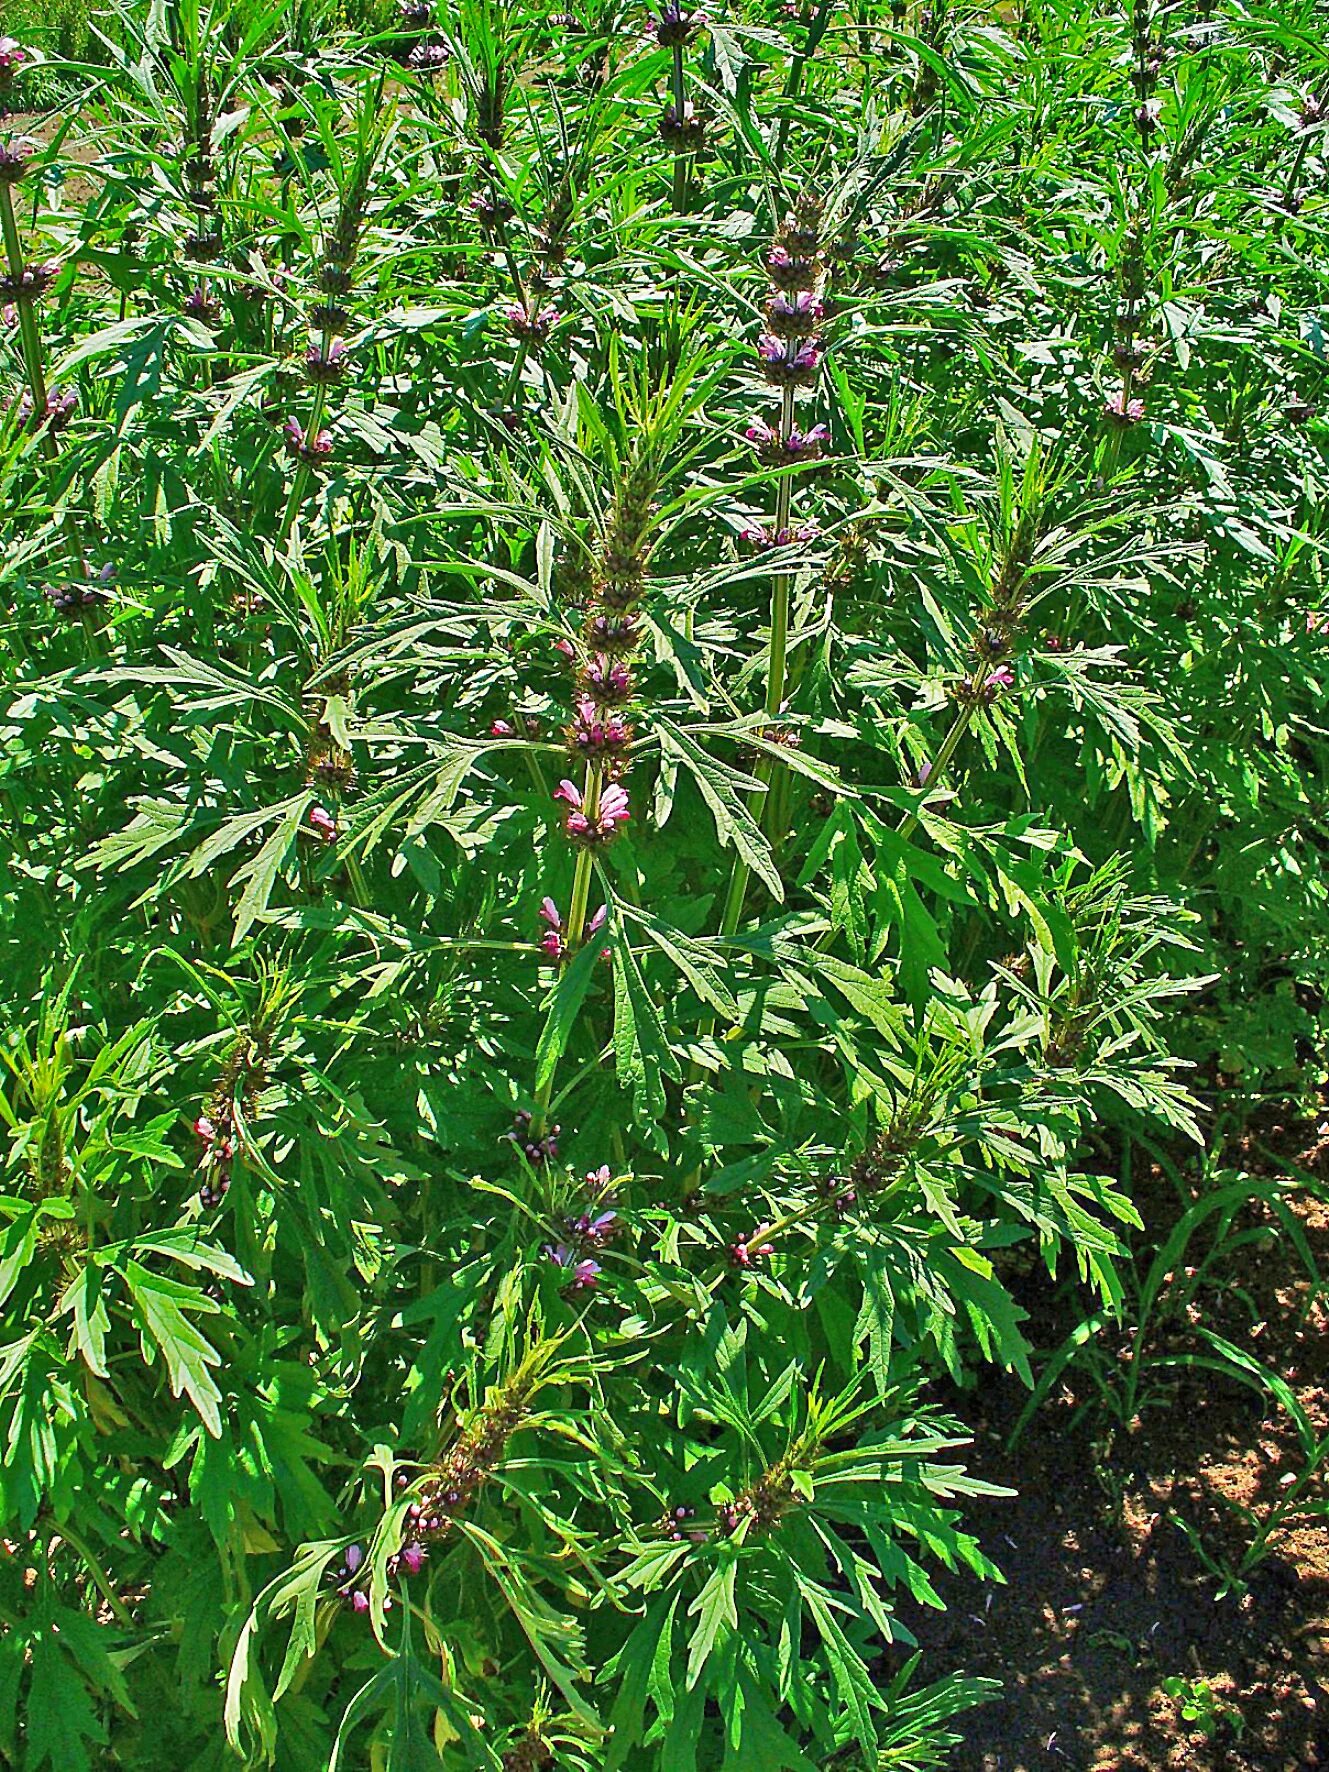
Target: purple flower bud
[
  {"x": 413, "y": 1558},
  {"x": 794, "y": 314},
  {"x": 313, "y": 454},
  {"x": 611, "y": 812},
  {"x": 30, "y": 284},
  {"x": 597, "y": 734},
  {"x": 789, "y": 270},
  {"x": 490, "y": 212},
  {"x": 326, "y": 369},
  {"x": 329, "y": 317},
  {"x": 606, "y": 681},
  {"x": 15, "y": 157},
  {"x": 203, "y": 248},
  {"x": 675, "y": 25},
  {"x": 807, "y": 444},
  {"x": 686, "y": 133},
  {"x": 427, "y": 59},
  {"x": 791, "y": 364},
  {"x": 355, "y": 1555},
  {"x": 534, "y": 328},
  {"x": 60, "y": 407},
  {"x": 360, "y": 1601},
  {"x": 796, "y": 535},
  {"x": 203, "y": 306}
]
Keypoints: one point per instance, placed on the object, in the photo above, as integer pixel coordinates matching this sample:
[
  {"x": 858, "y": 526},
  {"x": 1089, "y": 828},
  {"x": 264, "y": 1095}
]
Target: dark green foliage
[{"x": 438, "y": 1333}]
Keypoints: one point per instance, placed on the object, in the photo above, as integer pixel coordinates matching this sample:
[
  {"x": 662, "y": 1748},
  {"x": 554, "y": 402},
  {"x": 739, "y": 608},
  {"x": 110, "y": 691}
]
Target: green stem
[
  {"x": 505, "y": 246},
  {"x": 581, "y": 896},
  {"x": 30, "y": 340},
  {"x": 27, "y": 320},
  {"x": 942, "y": 761},
  {"x": 514, "y": 376},
  {"x": 576, "y": 923},
  {"x": 359, "y": 885},
  {"x": 816, "y": 31},
  {"x": 1290, "y": 189},
  {"x": 775, "y": 674},
  {"x": 680, "y": 197},
  {"x": 300, "y": 484},
  {"x": 100, "y": 1577},
  {"x": 680, "y": 109}
]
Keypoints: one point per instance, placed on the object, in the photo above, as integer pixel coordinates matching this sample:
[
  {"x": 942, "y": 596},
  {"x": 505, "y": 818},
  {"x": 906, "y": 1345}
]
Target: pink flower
[
  {"x": 593, "y": 734},
  {"x": 794, "y": 314},
  {"x": 312, "y": 453},
  {"x": 532, "y": 327},
  {"x": 611, "y": 812},
  {"x": 607, "y": 682},
  {"x": 205, "y": 1129},
  {"x": 1123, "y": 411},
  {"x": 614, "y": 806},
  {"x": 501, "y": 729},
  {"x": 1317, "y": 624},
  {"x": 584, "y": 1269},
  {"x": 807, "y": 443},
  {"x": 746, "y": 1250},
  {"x": 757, "y": 537},
  {"x": 323, "y": 824},
  {"x": 795, "y": 367},
  {"x": 597, "y": 923}
]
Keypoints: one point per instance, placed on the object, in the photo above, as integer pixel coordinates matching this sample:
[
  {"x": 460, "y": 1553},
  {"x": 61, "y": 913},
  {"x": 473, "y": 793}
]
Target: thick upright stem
[
  {"x": 680, "y": 160},
  {"x": 775, "y": 674},
  {"x": 300, "y": 484},
  {"x": 576, "y": 924},
  {"x": 514, "y": 375},
  {"x": 942, "y": 761},
  {"x": 581, "y": 888},
  {"x": 34, "y": 369}
]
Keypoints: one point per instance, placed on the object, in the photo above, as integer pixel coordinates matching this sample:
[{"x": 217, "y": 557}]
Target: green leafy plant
[{"x": 653, "y": 665}]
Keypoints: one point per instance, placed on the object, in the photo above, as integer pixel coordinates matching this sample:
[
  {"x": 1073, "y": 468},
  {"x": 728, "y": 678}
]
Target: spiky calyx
[
  {"x": 625, "y": 543},
  {"x": 472, "y": 1461}
]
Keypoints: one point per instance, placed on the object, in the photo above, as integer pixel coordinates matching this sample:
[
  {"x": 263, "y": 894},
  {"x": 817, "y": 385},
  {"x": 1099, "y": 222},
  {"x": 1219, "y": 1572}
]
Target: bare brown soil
[{"x": 1106, "y": 1597}]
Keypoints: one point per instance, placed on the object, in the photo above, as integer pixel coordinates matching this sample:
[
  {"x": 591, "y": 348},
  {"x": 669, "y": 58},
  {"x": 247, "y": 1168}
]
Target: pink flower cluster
[
  {"x": 554, "y": 943},
  {"x": 599, "y": 825}
]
